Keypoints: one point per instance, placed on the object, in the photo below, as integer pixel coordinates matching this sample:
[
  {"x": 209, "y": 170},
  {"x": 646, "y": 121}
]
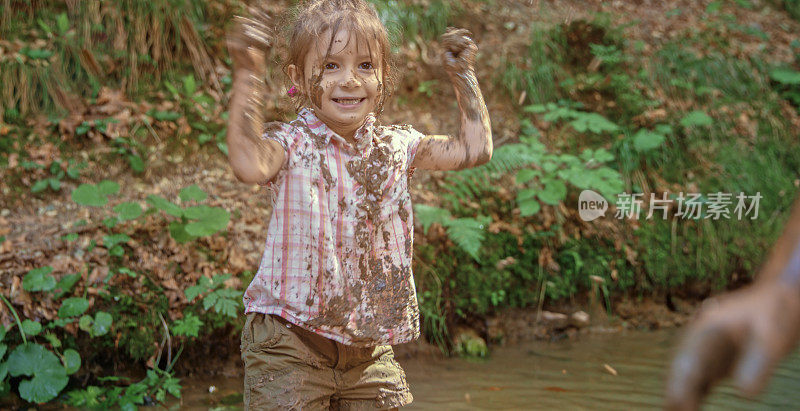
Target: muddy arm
[
  {"x": 473, "y": 145},
  {"x": 253, "y": 159},
  {"x": 744, "y": 334}
]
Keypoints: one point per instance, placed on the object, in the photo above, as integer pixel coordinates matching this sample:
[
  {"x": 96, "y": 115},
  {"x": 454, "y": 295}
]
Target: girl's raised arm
[
  {"x": 253, "y": 159},
  {"x": 473, "y": 145}
]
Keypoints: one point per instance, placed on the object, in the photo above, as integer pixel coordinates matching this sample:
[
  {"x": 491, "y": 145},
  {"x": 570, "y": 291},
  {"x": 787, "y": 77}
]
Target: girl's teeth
[{"x": 348, "y": 101}]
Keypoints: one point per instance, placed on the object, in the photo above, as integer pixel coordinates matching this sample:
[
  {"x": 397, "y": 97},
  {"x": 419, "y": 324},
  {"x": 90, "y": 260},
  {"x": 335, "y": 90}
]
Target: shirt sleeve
[
  {"x": 409, "y": 139},
  {"x": 278, "y": 132},
  {"x": 281, "y": 134}
]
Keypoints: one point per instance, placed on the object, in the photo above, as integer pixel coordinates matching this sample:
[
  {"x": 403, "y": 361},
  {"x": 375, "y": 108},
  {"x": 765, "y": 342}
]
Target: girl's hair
[{"x": 311, "y": 18}]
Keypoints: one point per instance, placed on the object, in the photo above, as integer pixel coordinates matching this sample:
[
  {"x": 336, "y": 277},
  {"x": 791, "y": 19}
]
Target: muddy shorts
[{"x": 287, "y": 367}]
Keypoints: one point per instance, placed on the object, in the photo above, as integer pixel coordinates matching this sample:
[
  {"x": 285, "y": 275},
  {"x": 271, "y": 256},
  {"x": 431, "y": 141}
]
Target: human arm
[
  {"x": 473, "y": 144},
  {"x": 253, "y": 158},
  {"x": 745, "y": 333}
]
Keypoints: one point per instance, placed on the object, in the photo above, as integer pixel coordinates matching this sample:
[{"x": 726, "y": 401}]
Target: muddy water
[{"x": 540, "y": 375}]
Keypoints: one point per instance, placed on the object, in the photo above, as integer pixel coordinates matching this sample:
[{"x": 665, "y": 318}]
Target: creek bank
[{"x": 561, "y": 321}]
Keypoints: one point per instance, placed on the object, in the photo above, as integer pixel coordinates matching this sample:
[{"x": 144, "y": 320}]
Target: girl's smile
[{"x": 342, "y": 80}]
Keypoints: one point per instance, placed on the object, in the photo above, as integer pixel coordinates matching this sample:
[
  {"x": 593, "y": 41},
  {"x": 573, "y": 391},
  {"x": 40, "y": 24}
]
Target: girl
[{"x": 334, "y": 289}]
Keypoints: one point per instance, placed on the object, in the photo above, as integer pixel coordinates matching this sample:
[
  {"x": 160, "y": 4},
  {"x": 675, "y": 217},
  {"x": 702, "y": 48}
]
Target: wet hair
[{"x": 310, "y": 19}]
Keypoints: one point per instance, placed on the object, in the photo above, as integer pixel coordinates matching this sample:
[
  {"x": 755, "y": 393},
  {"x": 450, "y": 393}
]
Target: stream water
[{"x": 576, "y": 374}]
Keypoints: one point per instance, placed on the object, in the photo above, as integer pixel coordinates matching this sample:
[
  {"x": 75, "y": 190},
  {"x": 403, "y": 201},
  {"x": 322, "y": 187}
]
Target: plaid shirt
[{"x": 337, "y": 259}]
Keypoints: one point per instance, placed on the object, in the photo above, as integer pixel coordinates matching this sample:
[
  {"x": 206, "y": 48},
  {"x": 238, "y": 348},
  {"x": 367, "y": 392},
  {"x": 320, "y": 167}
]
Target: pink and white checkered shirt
[{"x": 337, "y": 259}]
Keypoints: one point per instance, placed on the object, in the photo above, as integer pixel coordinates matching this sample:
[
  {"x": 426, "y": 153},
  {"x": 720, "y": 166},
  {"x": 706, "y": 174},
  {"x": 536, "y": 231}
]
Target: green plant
[
  {"x": 788, "y": 84},
  {"x": 129, "y": 149},
  {"x": 193, "y": 221},
  {"x": 57, "y": 174}
]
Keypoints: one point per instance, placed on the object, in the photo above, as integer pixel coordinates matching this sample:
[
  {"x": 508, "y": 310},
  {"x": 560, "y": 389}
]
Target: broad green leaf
[
  {"x": 66, "y": 283},
  {"x": 70, "y": 237},
  {"x": 645, "y": 140},
  {"x": 165, "y": 205},
  {"x": 129, "y": 272},
  {"x": 116, "y": 251},
  {"x": 89, "y": 195},
  {"x": 210, "y": 220},
  {"x": 72, "y": 307},
  {"x": 136, "y": 163},
  {"x": 166, "y": 115},
  {"x": 128, "y": 210},
  {"x": 62, "y": 22},
  {"x": 39, "y": 279},
  {"x": 49, "y": 375},
  {"x": 553, "y": 192},
  {"x": 55, "y": 183},
  {"x": 31, "y": 327},
  {"x": 178, "y": 232},
  {"x": 787, "y": 77},
  {"x": 193, "y": 192},
  {"x": 188, "y": 326},
  {"x": 527, "y": 174},
  {"x": 526, "y": 194},
  {"x": 39, "y": 186},
  {"x": 110, "y": 222},
  {"x": 528, "y": 207},
  {"x": 189, "y": 85},
  {"x": 72, "y": 361},
  {"x": 112, "y": 240},
  {"x": 85, "y": 323},
  {"x": 108, "y": 187},
  {"x": 102, "y": 323},
  {"x": 696, "y": 118}
]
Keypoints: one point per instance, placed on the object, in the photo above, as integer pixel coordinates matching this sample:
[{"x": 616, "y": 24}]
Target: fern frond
[
  {"x": 427, "y": 215},
  {"x": 468, "y": 233}
]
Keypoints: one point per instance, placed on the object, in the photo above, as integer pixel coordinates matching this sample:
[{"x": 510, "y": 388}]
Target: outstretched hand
[
  {"x": 744, "y": 334},
  {"x": 459, "y": 51},
  {"x": 249, "y": 40}
]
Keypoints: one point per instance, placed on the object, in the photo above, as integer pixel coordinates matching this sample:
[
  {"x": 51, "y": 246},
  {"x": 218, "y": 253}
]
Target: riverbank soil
[{"x": 168, "y": 246}]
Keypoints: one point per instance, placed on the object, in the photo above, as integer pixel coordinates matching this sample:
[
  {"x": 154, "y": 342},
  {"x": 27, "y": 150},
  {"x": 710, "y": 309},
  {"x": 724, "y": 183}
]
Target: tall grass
[{"x": 123, "y": 43}]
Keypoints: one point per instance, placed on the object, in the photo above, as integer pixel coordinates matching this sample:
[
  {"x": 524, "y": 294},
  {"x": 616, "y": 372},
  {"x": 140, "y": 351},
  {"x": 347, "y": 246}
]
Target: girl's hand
[
  {"x": 459, "y": 51},
  {"x": 744, "y": 334},
  {"x": 249, "y": 41}
]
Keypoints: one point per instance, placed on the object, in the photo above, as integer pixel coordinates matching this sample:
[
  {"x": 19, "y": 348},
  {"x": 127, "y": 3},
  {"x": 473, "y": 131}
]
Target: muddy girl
[{"x": 334, "y": 289}]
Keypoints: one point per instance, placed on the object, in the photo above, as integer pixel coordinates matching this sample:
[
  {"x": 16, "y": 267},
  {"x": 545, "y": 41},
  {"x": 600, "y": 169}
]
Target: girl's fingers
[{"x": 754, "y": 368}]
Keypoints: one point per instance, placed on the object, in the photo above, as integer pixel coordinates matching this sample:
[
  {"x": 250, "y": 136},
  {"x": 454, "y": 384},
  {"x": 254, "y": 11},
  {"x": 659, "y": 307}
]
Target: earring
[{"x": 292, "y": 91}]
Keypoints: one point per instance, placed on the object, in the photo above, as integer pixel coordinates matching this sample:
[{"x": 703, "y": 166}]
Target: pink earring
[{"x": 292, "y": 91}]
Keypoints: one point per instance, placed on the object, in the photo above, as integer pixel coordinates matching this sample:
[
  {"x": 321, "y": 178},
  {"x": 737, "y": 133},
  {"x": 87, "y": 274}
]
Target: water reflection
[{"x": 564, "y": 375}]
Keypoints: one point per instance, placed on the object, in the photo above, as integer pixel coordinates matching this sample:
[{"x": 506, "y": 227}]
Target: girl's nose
[{"x": 350, "y": 80}]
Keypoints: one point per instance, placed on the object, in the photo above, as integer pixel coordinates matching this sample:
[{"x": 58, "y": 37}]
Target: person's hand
[
  {"x": 744, "y": 334},
  {"x": 249, "y": 40},
  {"x": 459, "y": 51}
]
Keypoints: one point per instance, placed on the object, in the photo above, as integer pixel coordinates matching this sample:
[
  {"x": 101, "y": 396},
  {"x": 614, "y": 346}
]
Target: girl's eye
[
  {"x": 330, "y": 66},
  {"x": 367, "y": 65}
]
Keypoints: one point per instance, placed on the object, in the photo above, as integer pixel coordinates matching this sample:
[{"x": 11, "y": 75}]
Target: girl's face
[{"x": 343, "y": 86}]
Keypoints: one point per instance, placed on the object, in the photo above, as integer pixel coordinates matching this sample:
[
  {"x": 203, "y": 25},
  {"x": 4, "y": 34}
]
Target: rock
[
  {"x": 468, "y": 343},
  {"x": 554, "y": 320},
  {"x": 579, "y": 319},
  {"x": 494, "y": 331}
]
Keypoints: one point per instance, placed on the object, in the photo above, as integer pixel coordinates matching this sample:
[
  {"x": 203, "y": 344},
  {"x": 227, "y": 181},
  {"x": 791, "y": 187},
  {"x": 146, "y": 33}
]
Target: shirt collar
[{"x": 320, "y": 129}]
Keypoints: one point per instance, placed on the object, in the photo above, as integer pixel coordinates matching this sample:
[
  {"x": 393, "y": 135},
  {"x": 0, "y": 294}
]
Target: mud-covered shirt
[{"x": 337, "y": 259}]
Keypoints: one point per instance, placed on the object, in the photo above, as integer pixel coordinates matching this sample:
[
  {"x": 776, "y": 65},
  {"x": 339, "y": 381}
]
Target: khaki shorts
[{"x": 287, "y": 367}]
